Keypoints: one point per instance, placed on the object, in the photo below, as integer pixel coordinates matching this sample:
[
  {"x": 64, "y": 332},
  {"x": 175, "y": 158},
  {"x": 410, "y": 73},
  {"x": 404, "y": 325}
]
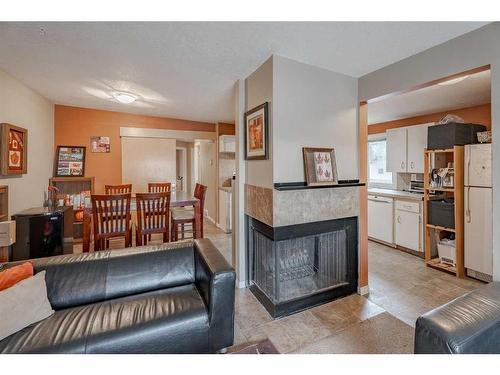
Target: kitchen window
[{"x": 377, "y": 158}]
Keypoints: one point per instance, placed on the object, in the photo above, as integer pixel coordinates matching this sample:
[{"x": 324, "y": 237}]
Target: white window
[{"x": 377, "y": 157}]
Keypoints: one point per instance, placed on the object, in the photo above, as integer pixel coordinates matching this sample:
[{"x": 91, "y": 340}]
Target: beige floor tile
[
  {"x": 292, "y": 332},
  {"x": 239, "y": 337},
  {"x": 405, "y": 287},
  {"x": 381, "y": 334}
]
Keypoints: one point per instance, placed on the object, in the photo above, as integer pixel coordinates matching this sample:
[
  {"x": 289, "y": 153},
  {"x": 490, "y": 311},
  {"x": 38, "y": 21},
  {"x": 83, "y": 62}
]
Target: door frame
[{"x": 184, "y": 167}]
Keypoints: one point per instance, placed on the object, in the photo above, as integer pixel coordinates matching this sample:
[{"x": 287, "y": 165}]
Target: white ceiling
[
  {"x": 187, "y": 69},
  {"x": 474, "y": 90}
]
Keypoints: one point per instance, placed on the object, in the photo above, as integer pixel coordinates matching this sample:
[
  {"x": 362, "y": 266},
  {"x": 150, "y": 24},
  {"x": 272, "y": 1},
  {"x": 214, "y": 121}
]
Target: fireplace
[{"x": 295, "y": 267}]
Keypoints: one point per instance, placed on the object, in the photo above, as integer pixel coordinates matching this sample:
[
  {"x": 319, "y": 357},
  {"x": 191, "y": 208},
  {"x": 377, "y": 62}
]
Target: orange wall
[
  {"x": 226, "y": 129},
  {"x": 74, "y": 126},
  {"x": 480, "y": 114}
]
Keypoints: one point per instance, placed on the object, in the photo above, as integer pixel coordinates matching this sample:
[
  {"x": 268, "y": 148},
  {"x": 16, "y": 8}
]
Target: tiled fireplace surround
[{"x": 317, "y": 227}]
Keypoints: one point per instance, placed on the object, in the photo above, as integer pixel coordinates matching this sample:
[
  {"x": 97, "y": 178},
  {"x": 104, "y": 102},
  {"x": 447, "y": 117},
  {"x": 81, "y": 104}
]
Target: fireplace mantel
[{"x": 283, "y": 207}]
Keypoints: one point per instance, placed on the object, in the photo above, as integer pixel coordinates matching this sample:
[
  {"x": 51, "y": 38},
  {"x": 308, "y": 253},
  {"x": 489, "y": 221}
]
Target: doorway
[
  {"x": 182, "y": 177},
  {"x": 400, "y": 261}
]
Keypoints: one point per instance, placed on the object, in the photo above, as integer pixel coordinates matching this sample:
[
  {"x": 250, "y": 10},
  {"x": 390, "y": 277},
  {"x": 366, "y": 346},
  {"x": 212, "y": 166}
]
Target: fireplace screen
[{"x": 294, "y": 268}]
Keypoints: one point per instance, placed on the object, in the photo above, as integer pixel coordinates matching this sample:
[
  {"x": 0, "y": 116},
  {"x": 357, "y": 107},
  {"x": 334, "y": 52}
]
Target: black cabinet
[
  {"x": 39, "y": 233},
  {"x": 445, "y": 136}
]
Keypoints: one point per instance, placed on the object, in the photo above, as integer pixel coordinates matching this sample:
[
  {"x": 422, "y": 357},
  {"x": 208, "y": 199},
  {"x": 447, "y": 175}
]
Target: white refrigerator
[{"x": 478, "y": 211}]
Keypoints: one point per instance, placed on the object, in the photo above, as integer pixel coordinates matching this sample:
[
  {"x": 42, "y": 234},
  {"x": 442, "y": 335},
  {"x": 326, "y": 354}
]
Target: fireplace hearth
[{"x": 295, "y": 267}]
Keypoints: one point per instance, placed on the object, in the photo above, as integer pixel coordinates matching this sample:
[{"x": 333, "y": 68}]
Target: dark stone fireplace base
[{"x": 260, "y": 233}]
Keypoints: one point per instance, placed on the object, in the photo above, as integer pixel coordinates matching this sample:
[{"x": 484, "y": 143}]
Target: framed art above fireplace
[
  {"x": 320, "y": 166},
  {"x": 256, "y": 133}
]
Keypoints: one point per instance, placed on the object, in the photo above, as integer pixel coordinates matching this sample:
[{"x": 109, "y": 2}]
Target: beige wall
[
  {"x": 259, "y": 89},
  {"x": 21, "y": 106},
  {"x": 147, "y": 160},
  {"x": 313, "y": 107}
]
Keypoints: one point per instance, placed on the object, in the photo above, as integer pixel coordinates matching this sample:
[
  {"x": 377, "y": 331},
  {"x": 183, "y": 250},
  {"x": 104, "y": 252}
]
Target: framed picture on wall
[
  {"x": 320, "y": 166},
  {"x": 100, "y": 144},
  {"x": 14, "y": 150},
  {"x": 256, "y": 133},
  {"x": 70, "y": 161}
]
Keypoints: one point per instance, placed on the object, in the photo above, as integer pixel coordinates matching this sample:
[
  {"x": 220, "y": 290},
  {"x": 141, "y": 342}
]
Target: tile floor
[
  {"x": 401, "y": 284},
  {"x": 401, "y": 289}
]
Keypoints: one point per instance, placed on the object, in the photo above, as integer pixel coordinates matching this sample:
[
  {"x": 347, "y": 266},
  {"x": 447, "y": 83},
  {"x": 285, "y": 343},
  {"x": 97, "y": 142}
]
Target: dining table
[{"x": 177, "y": 199}]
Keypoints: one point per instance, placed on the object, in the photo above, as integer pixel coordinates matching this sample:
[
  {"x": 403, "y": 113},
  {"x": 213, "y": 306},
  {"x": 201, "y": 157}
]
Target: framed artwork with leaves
[{"x": 320, "y": 166}]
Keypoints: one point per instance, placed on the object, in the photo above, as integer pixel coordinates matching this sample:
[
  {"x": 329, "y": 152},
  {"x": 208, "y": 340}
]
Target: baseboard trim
[
  {"x": 364, "y": 290},
  {"x": 383, "y": 242}
]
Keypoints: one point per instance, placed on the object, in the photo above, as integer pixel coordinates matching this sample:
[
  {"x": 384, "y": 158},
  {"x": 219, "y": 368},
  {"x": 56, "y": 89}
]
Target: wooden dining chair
[
  {"x": 111, "y": 219},
  {"x": 153, "y": 211},
  {"x": 182, "y": 217},
  {"x": 159, "y": 187},
  {"x": 117, "y": 189}
]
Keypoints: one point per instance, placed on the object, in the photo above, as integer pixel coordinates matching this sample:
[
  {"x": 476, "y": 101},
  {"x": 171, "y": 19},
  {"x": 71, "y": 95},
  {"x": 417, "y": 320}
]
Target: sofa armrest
[
  {"x": 215, "y": 279},
  {"x": 468, "y": 324}
]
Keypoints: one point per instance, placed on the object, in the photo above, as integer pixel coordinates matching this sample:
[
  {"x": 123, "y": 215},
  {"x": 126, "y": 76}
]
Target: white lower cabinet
[
  {"x": 380, "y": 218},
  {"x": 408, "y": 231}
]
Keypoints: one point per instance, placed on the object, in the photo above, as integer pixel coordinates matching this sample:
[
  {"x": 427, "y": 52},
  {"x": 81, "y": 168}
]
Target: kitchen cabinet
[
  {"x": 417, "y": 143},
  {"x": 408, "y": 225},
  {"x": 227, "y": 143},
  {"x": 396, "y": 150},
  {"x": 380, "y": 218},
  {"x": 405, "y": 149}
]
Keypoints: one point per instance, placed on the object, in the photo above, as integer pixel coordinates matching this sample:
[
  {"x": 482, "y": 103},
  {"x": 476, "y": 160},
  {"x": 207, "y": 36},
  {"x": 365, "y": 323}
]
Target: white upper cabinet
[
  {"x": 227, "y": 143},
  {"x": 405, "y": 149},
  {"x": 396, "y": 150},
  {"x": 417, "y": 143}
]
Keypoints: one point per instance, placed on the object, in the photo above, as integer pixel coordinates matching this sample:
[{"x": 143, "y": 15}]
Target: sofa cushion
[
  {"x": 74, "y": 280},
  {"x": 13, "y": 275},
  {"x": 23, "y": 304},
  {"x": 171, "y": 320}
]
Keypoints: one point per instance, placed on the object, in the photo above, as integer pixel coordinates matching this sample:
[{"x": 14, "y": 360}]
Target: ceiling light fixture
[
  {"x": 452, "y": 81},
  {"x": 125, "y": 97}
]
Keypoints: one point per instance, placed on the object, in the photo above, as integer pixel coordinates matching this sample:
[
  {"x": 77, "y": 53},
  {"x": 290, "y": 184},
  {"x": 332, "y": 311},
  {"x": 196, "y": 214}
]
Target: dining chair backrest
[
  {"x": 200, "y": 192},
  {"x": 111, "y": 218},
  {"x": 152, "y": 216},
  {"x": 159, "y": 187},
  {"x": 118, "y": 189}
]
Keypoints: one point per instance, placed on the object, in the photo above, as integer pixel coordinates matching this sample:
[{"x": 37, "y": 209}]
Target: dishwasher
[{"x": 381, "y": 219}]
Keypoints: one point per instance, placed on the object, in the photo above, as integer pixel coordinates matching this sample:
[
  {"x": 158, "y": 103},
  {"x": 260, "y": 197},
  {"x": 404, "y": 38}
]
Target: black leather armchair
[
  {"x": 171, "y": 298},
  {"x": 468, "y": 324}
]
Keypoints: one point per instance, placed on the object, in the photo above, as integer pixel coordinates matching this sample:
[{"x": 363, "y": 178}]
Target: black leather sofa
[
  {"x": 170, "y": 298},
  {"x": 468, "y": 324}
]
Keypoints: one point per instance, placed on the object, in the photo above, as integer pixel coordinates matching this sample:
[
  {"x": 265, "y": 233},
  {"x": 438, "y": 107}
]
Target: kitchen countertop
[{"x": 396, "y": 194}]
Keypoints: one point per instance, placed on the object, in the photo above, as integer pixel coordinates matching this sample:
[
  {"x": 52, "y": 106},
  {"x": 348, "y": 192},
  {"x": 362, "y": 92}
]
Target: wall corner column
[{"x": 363, "y": 198}]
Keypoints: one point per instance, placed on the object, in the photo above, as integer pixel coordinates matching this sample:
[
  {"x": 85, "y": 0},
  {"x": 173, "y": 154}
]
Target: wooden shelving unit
[
  {"x": 4, "y": 202},
  {"x": 73, "y": 185},
  {"x": 4, "y": 215},
  {"x": 441, "y": 158}
]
